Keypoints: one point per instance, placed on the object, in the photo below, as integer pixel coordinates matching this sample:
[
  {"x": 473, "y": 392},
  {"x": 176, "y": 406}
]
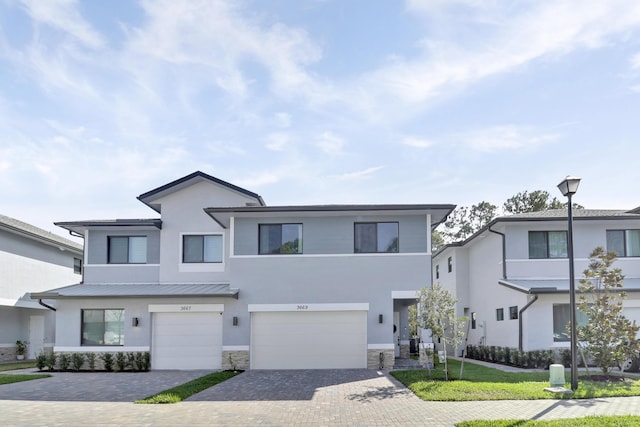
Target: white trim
[
  {"x": 85, "y": 247},
  {"x": 405, "y": 294},
  {"x": 544, "y": 259},
  {"x": 185, "y": 308},
  {"x": 20, "y": 303},
  {"x": 104, "y": 348},
  {"x": 302, "y": 307},
  {"x": 126, "y": 264},
  {"x": 232, "y": 234},
  {"x": 429, "y": 244},
  {"x": 200, "y": 267},
  {"x": 380, "y": 346},
  {"x": 235, "y": 348},
  {"x": 373, "y": 254}
]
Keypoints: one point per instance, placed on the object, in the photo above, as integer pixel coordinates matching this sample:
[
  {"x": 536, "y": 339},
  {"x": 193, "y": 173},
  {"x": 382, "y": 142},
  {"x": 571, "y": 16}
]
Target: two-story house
[
  {"x": 31, "y": 259},
  {"x": 222, "y": 280},
  {"x": 512, "y": 277}
]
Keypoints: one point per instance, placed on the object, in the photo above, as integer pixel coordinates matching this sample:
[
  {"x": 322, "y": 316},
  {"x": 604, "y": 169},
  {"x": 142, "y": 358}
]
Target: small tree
[
  {"x": 609, "y": 336},
  {"x": 439, "y": 315}
]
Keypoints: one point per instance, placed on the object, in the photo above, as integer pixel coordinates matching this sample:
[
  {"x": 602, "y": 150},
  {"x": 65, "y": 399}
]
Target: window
[
  {"x": 450, "y": 264},
  {"x": 103, "y": 327},
  {"x": 624, "y": 242},
  {"x": 499, "y": 314},
  {"x": 127, "y": 249},
  {"x": 513, "y": 312},
  {"x": 561, "y": 320},
  {"x": 473, "y": 320},
  {"x": 280, "y": 239},
  {"x": 437, "y": 271},
  {"x": 77, "y": 265},
  {"x": 201, "y": 248},
  {"x": 547, "y": 244},
  {"x": 372, "y": 237}
]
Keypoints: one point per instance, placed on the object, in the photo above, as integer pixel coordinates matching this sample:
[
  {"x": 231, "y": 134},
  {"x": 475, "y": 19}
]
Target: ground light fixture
[{"x": 568, "y": 187}]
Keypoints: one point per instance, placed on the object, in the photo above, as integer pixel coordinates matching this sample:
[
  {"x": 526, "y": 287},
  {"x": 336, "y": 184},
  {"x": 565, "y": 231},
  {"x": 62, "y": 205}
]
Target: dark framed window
[
  {"x": 450, "y": 264},
  {"x": 437, "y": 271},
  {"x": 547, "y": 244},
  {"x": 77, "y": 265},
  {"x": 102, "y": 327},
  {"x": 562, "y": 319},
  {"x": 513, "y": 312},
  {"x": 127, "y": 250},
  {"x": 499, "y": 314},
  {"x": 280, "y": 239},
  {"x": 473, "y": 320},
  {"x": 625, "y": 243},
  {"x": 376, "y": 237},
  {"x": 202, "y": 248}
]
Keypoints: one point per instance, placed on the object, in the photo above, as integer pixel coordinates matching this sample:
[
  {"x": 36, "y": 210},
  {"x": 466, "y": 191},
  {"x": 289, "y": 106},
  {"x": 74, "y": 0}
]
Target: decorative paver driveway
[{"x": 267, "y": 398}]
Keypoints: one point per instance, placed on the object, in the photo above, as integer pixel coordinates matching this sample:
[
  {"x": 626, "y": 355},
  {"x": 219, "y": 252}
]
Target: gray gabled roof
[
  {"x": 19, "y": 227},
  {"x": 148, "y": 197},
  {"x": 78, "y": 227},
  {"x": 138, "y": 290},
  {"x": 557, "y": 286}
]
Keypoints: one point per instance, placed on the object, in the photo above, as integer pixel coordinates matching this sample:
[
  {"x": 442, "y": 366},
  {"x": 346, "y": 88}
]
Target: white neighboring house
[
  {"x": 511, "y": 277},
  {"x": 31, "y": 259}
]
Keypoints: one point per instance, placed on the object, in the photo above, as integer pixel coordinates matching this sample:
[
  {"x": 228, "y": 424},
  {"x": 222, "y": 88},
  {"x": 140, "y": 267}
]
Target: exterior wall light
[
  {"x": 380, "y": 318},
  {"x": 235, "y": 320},
  {"x": 135, "y": 322}
]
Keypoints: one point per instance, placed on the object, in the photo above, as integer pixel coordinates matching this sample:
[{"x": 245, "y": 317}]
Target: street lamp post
[{"x": 568, "y": 188}]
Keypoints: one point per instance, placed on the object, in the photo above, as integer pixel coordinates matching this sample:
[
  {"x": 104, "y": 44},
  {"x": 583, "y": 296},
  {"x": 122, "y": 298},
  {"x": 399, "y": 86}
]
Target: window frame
[
  {"x": 450, "y": 264},
  {"x": 83, "y": 327},
  {"x": 548, "y": 244},
  {"x": 128, "y": 255},
  {"x": 300, "y": 247},
  {"x": 77, "y": 266},
  {"x": 377, "y": 250},
  {"x": 625, "y": 239},
  {"x": 513, "y": 312},
  {"x": 437, "y": 271},
  {"x": 581, "y": 320},
  {"x": 473, "y": 319},
  {"x": 185, "y": 237},
  {"x": 499, "y": 314}
]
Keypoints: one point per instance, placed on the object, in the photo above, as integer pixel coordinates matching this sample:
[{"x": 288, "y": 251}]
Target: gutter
[
  {"x": 504, "y": 252},
  {"x": 535, "y": 298},
  {"x": 46, "y": 305}
]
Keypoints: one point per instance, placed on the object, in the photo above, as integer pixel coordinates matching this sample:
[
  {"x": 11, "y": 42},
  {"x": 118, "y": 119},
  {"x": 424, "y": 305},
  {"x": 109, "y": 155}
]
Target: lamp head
[{"x": 569, "y": 186}]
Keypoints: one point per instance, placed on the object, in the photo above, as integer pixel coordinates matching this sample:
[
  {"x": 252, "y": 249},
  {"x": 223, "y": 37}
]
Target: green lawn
[
  {"x": 611, "y": 421},
  {"x": 16, "y": 378},
  {"x": 181, "y": 392},
  {"x": 483, "y": 383},
  {"x": 17, "y": 365}
]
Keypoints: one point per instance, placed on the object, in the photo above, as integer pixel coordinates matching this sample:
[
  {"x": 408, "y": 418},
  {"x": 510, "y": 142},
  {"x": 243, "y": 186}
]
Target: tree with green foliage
[
  {"x": 437, "y": 241},
  {"x": 535, "y": 201},
  {"x": 464, "y": 221},
  {"x": 609, "y": 337},
  {"x": 439, "y": 315}
]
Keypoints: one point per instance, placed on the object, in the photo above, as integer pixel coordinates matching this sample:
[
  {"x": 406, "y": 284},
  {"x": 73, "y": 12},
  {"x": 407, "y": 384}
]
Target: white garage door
[
  {"x": 187, "y": 341},
  {"x": 309, "y": 340}
]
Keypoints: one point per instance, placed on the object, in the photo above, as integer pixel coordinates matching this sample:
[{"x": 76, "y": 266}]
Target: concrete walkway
[{"x": 356, "y": 397}]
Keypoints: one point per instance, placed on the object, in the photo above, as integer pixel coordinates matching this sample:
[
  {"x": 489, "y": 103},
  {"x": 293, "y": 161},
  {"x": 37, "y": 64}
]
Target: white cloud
[
  {"x": 277, "y": 141},
  {"x": 507, "y": 137},
  {"x": 283, "y": 120},
  {"x": 330, "y": 144},
  {"x": 635, "y": 61},
  {"x": 63, "y": 15},
  {"x": 413, "y": 141},
  {"x": 361, "y": 174}
]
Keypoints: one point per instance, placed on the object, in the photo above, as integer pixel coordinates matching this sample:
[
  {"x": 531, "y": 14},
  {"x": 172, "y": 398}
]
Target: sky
[{"x": 316, "y": 102}]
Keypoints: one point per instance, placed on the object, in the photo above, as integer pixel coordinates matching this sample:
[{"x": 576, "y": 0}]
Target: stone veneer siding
[
  {"x": 404, "y": 351},
  {"x": 373, "y": 358},
  {"x": 238, "y": 359}
]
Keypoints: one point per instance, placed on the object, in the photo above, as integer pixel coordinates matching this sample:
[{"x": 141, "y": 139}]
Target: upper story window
[
  {"x": 437, "y": 271},
  {"x": 371, "y": 237},
  {"x": 450, "y": 264},
  {"x": 77, "y": 265},
  {"x": 102, "y": 327},
  {"x": 624, "y": 242},
  {"x": 499, "y": 314},
  {"x": 547, "y": 244},
  {"x": 127, "y": 249},
  {"x": 201, "y": 248},
  {"x": 280, "y": 239},
  {"x": 513, "y": 312}
]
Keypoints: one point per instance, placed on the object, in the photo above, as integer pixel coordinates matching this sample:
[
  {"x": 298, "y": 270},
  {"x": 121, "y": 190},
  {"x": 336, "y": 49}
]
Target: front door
[{"x": 36, "y": 336}]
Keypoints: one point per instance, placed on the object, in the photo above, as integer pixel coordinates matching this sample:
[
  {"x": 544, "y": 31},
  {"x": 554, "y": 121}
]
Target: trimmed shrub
[
  {"x": 64, "y": 361},
  {"x": 91, "y": 361},
  {"x": 107, "y": 360},
  {"x": 77, "y": 360}
]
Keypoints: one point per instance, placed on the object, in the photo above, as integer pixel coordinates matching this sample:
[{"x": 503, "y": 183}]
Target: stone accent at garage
[
  {"x": 235, "y": 359},
  {"x": 404, "y": 351},
  {"x": 373, "y": 358}
]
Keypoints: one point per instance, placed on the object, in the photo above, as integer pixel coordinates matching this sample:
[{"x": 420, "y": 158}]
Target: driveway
[{"x": 356, "y": 397}]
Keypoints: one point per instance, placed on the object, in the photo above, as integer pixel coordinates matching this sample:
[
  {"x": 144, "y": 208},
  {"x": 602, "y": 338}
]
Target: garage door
[
  {"x": 187, "y": 341},
  {"x": 309, "y": 340}
]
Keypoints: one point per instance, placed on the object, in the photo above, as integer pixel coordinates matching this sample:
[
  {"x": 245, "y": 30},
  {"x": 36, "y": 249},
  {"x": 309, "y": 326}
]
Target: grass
[
  {"x": 16, "y": 378},
  {"x": 483, "y": 383},
  {"x": 181, "y": 392},
  {"x": 17, "y": 365},
  {"x": 610, "y": 421}
]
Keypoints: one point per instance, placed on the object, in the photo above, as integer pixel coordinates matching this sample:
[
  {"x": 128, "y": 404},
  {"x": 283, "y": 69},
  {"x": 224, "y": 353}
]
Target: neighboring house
[
  {"x": 31, "y": 259},
  {"x": 221, "y": 280},
  {"x": 511, "y": 277}
]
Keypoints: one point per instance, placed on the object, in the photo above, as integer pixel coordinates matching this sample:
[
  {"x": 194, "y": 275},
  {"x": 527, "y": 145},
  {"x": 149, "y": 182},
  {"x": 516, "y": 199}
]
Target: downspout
[
  {"x": 504, "y": 253},
  {"x": 46, "y": 305},
  {"x": 535, "y": 298}
]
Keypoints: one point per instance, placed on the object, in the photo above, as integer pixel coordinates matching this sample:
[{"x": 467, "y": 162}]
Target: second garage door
[
  {"x": 309, "y": 340},
  {"x": 187, "y": 341}
]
